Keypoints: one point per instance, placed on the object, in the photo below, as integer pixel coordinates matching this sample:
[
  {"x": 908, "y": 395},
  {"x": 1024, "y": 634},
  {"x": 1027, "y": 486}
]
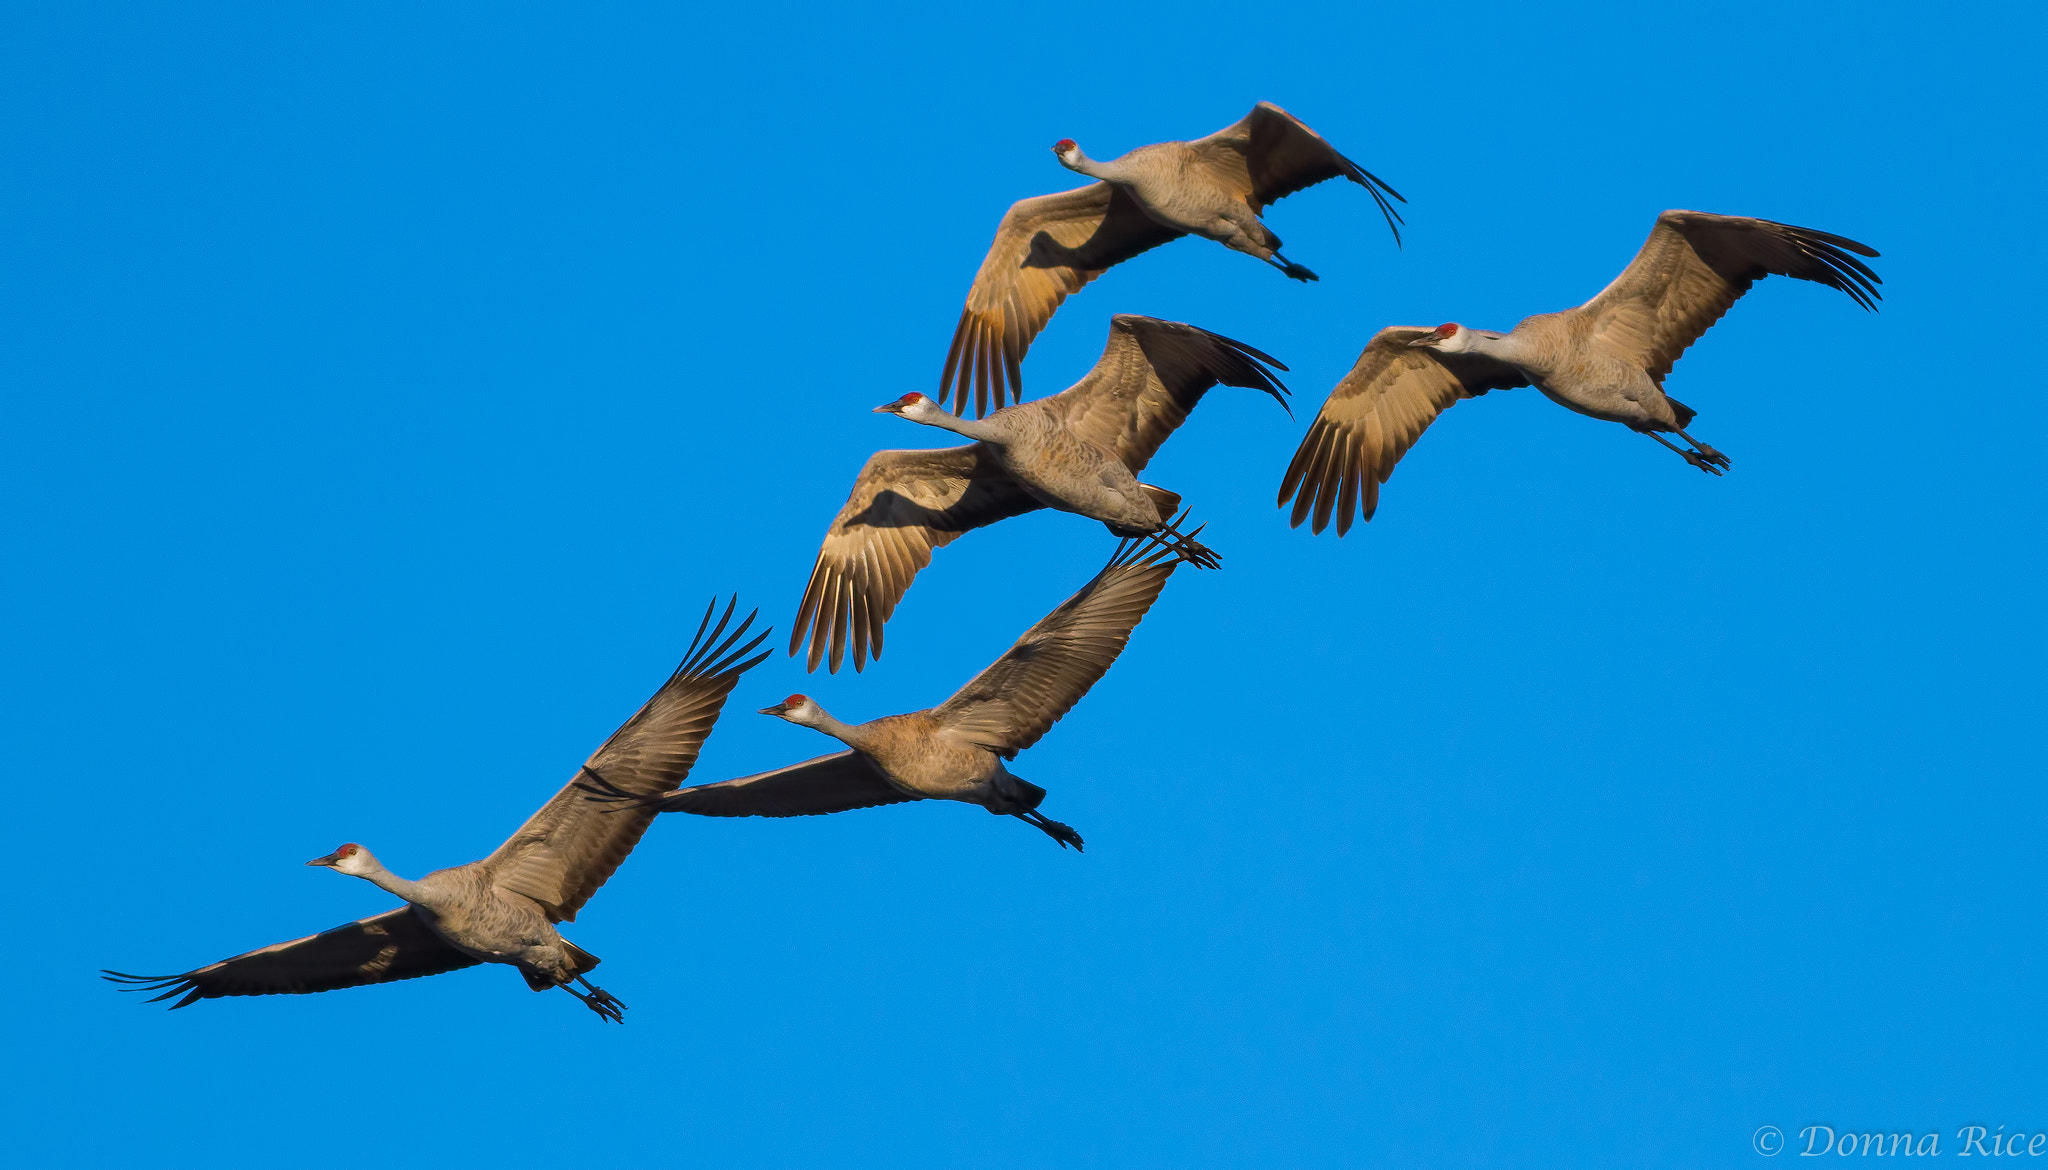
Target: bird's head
[
  {"x": 351, "y": 859},
  {"x": 1449, "y": 337},
  {"x": 1067, "y": 151},
  {"x": 796, "y": 709},
  {"x": 913, "y": 406}
]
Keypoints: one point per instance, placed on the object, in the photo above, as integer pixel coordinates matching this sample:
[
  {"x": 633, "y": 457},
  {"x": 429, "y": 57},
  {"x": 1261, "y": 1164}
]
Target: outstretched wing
[
  {"x": 829, "y": 784},
  {"x": 1393, "y": 392},
  {"x": 380, "y": 949},
  {"x": 1022, "y": 694},
  {"x": 1150, "y": 375},
  {"x": 1045, "y": 249},
  {"x": 1270, "y": 154},
  {"x": 904, "y": 504},
  {"x": 1695, "y": 265},
  {"x": 564, "y": 852}
]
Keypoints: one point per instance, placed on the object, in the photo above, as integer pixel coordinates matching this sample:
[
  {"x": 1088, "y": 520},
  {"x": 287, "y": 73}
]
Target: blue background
[{"x": 386, "y": 391}]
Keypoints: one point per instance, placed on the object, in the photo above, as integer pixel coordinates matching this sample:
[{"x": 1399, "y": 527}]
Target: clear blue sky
[{"x": 385, "y": 392}]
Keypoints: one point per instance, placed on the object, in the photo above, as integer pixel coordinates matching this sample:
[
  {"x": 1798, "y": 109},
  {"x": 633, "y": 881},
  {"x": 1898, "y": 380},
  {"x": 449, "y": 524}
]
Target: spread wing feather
[
  {"x": 564, "y": 852},
  {"x": 1695, "y": 265},
  {"x": 1007, "y": 707},
  {"x": 382, "y": 948},
  {"x": 1150, "y": 375},
  {"x": 1045, "y": 249},
  {"x": 828, "y": 784},
  {"x": 1378, "y": 410},
  {"x": 904, "y": 504},
  {"x": 1270, "y": 154}
]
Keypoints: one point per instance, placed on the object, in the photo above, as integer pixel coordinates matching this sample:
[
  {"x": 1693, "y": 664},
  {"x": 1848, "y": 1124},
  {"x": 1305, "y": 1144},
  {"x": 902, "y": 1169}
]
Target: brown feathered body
[
  {"x": 1078, "y": 451},
  {"x": 1606, "y": 359},
  {"x": 1050, "y": 246}
]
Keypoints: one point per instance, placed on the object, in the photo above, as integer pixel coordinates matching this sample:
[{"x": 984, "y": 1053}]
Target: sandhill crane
[
  {"x": 1607, "y": 358},
  {"x": 1079, "y": 451},
  {"x": 503, "y": 909},
  {"x": 954, "y": 751},
  {"x": 1048, "y": 247}
]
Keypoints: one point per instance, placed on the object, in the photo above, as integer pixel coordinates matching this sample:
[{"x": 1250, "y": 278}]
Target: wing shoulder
[
  {"x": 566, "y": 851},
  {"x": 1150, "y": 377},
  {"x": 1270, "y": 154},
  {"x": 1694, "y": 267},
  {"x": 1371, "y": 419},
  {"x": 1046, "y": 248},
  {"x": 1009, "y": 706},
  {"x": 903, "y": 505}
]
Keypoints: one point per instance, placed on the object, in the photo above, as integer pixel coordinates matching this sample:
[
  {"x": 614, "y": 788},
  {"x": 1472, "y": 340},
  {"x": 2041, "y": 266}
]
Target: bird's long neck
[
  {"x": 1505, "y": 347},
  {"x": 973, "y": 428},
  {"x": 1112, "y": 171},
  {"x": 852, "y": 735},
  {"x": 414, "y": 892}
]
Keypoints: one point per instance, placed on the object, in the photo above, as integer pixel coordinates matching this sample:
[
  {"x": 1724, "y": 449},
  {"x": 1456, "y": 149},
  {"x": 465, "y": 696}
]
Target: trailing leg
[
  {"x": 603, "y": 1002},
  {"x": 1191, "y": 550},
  {"x": 1707, "y": 453},
  {"x": 1693, "y": 457},
  {"x": 1064, "y": 834},
  {"x": 1291, "y": 268}
]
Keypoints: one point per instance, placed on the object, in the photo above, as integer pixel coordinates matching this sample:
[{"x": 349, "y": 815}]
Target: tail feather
[
  {"x": 1023, "y": 793},
  {"x": 1167, "y": 502},
  {"x": 584, "y": 960}
]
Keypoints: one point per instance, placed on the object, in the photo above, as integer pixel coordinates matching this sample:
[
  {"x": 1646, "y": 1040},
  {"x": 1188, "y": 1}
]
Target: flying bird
[
  {"x": 1078, "y": 451},
  {"x": 1607, "y": 358},
  {"x": 1047, "y": 247},
  {"x": 956, "y": 750},
  {"x": 504, "y": 908}
]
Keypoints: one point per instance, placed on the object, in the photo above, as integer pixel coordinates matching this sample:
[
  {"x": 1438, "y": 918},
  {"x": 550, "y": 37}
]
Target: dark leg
[
  {"x": 1707, "y": 453},
  {"x": 1291, "y": 268},
  {"x": 1692, "y": 457},
  {"x": 599, "y": 1000},
  {"x": 1064, "y": 834},
  {"x": 1191, "y": 550}
]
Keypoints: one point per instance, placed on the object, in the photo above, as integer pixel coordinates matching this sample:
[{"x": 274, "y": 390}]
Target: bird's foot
[
  {"x": 1064, "y": 834},
  {"x": 1199, "y": 555},
  {"x": 1703, "y": 462},
  {"x": 1290, "y": 268},
  {"x": 1706, "y": 454},
  {"x": 603, "y": 1002}
]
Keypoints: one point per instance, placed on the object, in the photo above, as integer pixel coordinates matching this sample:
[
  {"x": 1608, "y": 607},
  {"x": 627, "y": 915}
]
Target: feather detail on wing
[
  {"x": 1045, "y": 249},
  {"x": 1393, "y": 392},
  {"x": 1150, "y": 375},
  {"x": 1695, "y": 265},
  {"x": 570, "y": 847},
  {"x": 382, "y": 948},
  {"x": 904, "y": 504},
  {"x": 828, "y": 784},
  {"x": 1022, "y": 694},
  {"x": 1270, "y": 154}
]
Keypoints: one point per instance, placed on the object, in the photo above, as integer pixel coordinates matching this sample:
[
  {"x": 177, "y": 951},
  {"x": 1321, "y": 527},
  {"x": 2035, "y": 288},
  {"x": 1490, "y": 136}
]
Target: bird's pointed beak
[
  {"x": 888, "y": 408},
  {"x": 777, "y": 709},
  {"x": 330, "y": 859},
  {"x": 1426, "y": 340}
]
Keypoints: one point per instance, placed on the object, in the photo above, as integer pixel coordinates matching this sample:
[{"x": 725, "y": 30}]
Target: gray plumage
[
  {"x": 503, "y": 909},
  {"x": 954, "y": 751},
  {"x": 1048, "y": 247},
  {"x": 1078, "y": 451},
  {"x": 1607, "y": 358}
]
